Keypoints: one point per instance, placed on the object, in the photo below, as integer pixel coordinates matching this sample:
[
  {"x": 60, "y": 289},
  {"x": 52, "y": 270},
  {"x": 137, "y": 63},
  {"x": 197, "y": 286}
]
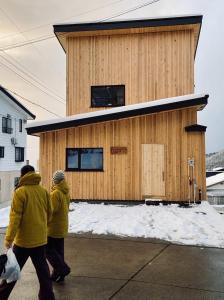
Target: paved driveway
[{"x": 111, "y": 268}]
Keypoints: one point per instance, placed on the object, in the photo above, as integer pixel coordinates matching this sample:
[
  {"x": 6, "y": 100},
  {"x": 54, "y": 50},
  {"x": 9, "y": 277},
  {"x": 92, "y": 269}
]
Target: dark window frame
[
  {"x": 2, "y": 152},
  {"x": 21, "y": 159},
  {"x": 20, "y": 125},
  {"x": 7, "y": 125},
  {"x": 105, "y": 86},
  {"x": 79, "y": 169}
]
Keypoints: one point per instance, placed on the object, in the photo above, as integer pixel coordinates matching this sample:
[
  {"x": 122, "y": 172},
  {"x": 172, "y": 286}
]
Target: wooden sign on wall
[{"x": 118, "y": 150}]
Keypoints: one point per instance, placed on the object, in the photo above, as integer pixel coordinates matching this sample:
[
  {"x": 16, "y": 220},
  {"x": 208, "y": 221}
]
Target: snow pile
[
  {"x": 199, "y": 225},
  {"x": 218, "y": 178},
  {"x": 4, "y": 216}
]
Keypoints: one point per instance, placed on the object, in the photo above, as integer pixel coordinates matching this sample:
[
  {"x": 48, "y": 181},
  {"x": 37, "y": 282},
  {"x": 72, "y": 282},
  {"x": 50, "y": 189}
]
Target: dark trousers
[
  {"x": 55, "y": 255},
  {"x": 38, "y": 257}
]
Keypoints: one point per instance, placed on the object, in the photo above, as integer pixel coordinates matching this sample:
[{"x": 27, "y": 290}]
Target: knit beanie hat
[{"x": 58, "y": 176}]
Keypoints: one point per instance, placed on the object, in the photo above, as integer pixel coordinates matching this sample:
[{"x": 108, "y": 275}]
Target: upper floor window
[
  {"x": 84, "y": 159},
  {"x": 2, "y": 154},
  {"x": 19, "y": 154},
  {"x": 108, "y": 95},
  {"x": 20, "y": 125},
  {"x": 6, "y": 125}
]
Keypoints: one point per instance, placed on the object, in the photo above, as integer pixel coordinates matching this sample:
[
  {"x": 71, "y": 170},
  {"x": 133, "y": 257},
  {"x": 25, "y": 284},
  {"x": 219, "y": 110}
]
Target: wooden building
[{"x": 131, "y": 129}]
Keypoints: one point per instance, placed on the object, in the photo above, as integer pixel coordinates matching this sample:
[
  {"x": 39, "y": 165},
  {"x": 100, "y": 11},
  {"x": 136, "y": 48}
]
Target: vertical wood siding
[
  {"x": 150, "y": 65},
  {"x": 121, "y": 178}
]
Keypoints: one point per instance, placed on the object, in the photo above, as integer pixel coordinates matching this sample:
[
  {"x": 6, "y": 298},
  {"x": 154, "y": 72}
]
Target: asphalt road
[{"x": 111, "y": 268}]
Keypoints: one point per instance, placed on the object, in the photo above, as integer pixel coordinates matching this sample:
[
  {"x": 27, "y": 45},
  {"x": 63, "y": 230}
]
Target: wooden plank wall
[
  {"x": 63, "y": 37},
  {"x": 150, "y": 65},
  {"x": 121, "y": 179}
]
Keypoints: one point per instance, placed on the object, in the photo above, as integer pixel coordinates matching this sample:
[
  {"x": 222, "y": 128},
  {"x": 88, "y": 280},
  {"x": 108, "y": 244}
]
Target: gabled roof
[
  {"x": 193, "y": 22},
  {"x": 212, "y": 180},
  {"x": 18, "y": 104},
  {"x": 121, "y": 112}
]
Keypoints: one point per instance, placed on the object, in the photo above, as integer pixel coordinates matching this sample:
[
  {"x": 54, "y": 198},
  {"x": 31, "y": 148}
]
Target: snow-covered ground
[
  {"x": 199, "y": 225},
  {"x": 4, "y": 216}
]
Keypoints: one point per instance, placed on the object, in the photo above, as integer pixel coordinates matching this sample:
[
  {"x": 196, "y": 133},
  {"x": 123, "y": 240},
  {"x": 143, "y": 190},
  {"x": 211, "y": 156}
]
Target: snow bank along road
[{"x": 198, "y": 225}]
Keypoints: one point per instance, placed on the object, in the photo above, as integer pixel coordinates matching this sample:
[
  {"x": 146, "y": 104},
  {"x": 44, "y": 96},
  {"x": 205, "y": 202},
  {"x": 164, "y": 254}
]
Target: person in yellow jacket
[
  {"x": 27, "y": 231},
  {"x": 58, "y": 227}
]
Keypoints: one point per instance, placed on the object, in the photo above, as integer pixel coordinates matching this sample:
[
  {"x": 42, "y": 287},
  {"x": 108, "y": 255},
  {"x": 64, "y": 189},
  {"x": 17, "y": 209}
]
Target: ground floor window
[
  {"x": 19, "y": 154},
  {"x": 84, "y": 159},
  {"x": 1, "y": 152}
]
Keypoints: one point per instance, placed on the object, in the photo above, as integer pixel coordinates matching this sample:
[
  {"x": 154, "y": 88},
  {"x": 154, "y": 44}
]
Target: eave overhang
[
  {"x": 15, "y": 101},
  {"x": 192, "y": 22},
  {"x": 118, "y": 113}
]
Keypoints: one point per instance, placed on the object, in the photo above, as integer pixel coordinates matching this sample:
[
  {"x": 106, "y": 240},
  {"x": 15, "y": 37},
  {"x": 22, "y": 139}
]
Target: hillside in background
[{"x": 214, "y": 160}]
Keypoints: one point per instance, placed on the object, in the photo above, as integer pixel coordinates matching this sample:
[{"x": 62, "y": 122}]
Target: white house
[
  {"x": 215, "y": 188},
  {"x": 13, "y": 136}
]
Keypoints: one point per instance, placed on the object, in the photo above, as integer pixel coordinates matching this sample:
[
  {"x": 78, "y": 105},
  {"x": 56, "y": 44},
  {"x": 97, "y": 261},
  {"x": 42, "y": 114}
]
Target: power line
[
  {"x": 29, "y": 74},
  {"x": 44, "y": 108},
  {"x": 30, "y": 83},
  {"x": 43, "y": 38},
  {"x": 28, "y": 42},
  {"x": 61, "y": 20},
  {"x": 44, "y": 88},
  {"x": 130, "y": 10}
]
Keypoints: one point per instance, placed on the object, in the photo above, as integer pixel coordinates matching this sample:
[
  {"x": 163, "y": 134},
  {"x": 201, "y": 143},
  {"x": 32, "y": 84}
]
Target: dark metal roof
[
  {"x": 156, "y": 22},
  {"x": 3, "y": 90},
  {"x": 117, "y": 114},
  {"x": 212, "y": 173},
  {"x": 127, "y": 24},
  {"x": 195, "y": 128}
]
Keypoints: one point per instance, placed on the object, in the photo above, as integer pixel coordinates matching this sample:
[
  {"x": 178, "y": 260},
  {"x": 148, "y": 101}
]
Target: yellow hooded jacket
[
  {"x": 60, "y": 199},
  {"x": 30, "y": 212}
]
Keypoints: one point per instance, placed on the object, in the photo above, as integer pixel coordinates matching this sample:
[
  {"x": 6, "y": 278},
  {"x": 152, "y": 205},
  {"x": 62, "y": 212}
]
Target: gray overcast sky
[{"x": 37, "y": 71}]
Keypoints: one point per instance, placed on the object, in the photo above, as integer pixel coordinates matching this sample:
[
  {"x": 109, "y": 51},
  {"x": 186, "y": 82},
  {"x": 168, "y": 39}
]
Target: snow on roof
[
  {"x": 212, "y": 180},
  {"x": 116, "y": 110},
  {"x": 218, "y": 169}
]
